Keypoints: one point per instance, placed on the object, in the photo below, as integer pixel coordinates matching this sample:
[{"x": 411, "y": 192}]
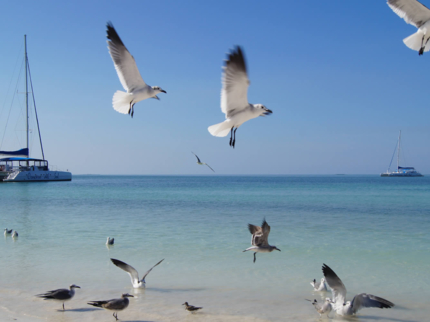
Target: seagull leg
[
  {"x": 63, "y": 306},
  {"x": 231, "y": 134},
  {"x": 254, "y": 257},
  {"x": 115, "y": 316},
  {"x": 234, "y": 140}
]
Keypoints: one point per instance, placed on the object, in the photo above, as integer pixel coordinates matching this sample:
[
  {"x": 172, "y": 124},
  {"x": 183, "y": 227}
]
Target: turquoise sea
[{"x": 373, "y": 232}]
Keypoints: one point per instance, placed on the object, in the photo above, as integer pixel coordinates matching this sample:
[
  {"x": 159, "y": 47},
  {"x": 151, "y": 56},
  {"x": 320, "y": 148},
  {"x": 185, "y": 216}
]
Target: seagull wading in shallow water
[
  {"x": 129, "y": 76},
  {"x": 325, "y": 308},
  {"x": 110, "y": 241},
  {"x": 134, "y": 275},
  {"x": 234, "y": 98},
  {"x": 191, "y": 308},
  {"x": 417, "y": 15},
  {"x": 259, "y": 239},
  {"x": 62, "y": 294},
  {"x": 114, "y": 304},
  {"x": 202, "y": 163},
  {"x": 358, "y": 302},
  {"x": 319, "y": 286}
]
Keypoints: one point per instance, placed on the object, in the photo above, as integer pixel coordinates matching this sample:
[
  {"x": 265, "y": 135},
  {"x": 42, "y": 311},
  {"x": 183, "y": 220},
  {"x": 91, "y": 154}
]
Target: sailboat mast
[
  {"x": 398, "y": 150},
  {"x": 26, "y": 90}
]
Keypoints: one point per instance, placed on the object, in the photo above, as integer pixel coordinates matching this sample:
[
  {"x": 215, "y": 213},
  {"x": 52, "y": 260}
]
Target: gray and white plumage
[
  {"x": 319, "y": 286},
  {"x": 324, "y": 308},
  {"x": 62, "y": 294},
  {"x": 191, "y": 308},
  {"x": 418, "y": 15},
  {"x": 359, "y": 301},
  {"x": 110, "y": 241},
  {"x": 202, "y": 163},
  {"x": 234, "y": 98},
  {"x": 14, "y": 234},
  {"x": 260, "y": 239},
  {"x": 114, "y": 304},
  {"x": 134, "y": 275},
  {"x": 129, "y": 76},
  {"x": 7, "y": 231}
]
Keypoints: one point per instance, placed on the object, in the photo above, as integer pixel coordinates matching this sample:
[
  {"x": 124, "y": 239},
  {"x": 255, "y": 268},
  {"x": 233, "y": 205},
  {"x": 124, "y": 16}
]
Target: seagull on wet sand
[
  {"x": 234, "y": 98},
  {"x": 114, "y": 304},
  {"x": 418, "y": 15},
  {"x": 134, "y": 275},
  {"x": 7, "y": 231},
  {"x": 191, "y": 308},
  {"x": 62, "y": 294},
  {"x": 319, "y": 286},
  {"x": 358, "y": 302},
  {"x": 325, "y": 308},
  {"x": 259, "y": 239},
  {"x": 110, "y": 241},
  {"x": 129, "y": 76},
  {"x": 202, "y": 163}
]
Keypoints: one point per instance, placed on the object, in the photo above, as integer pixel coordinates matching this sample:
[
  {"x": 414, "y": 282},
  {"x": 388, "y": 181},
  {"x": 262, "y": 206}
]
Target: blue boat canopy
[
  {"x": 21, "y": 159},
  {"x": 407, "y": 168},
  {"x": 22, "y": 152}
]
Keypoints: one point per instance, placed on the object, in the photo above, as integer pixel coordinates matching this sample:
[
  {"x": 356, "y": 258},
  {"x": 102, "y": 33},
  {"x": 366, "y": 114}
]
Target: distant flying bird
[
  {"x": 324, "y": 308},
  {"x": 417, "y": 15},
  {"x": 234, "y": 98},
  {"x": 358, "y": 302},
  {"x": 259, "y": 240},
  {"x": 62, "y": 294},
  {"x": 7, "y": 231},
  {"x": 114, "y": 304},
  {"x": 110, "y": 241},
  {"x": 202, "y": 163},
  {"x": 319, "y": 286},
  {"x": 129, "y": 76},
  {"x": 191, "y": 308},
  {"x": 134, "y": 275}
]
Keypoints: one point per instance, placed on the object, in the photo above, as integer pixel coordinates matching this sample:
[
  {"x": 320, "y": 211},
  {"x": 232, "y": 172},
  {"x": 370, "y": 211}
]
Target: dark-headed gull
[
  {"x": 134, "y": 275},
  {"x": 234, "y": 98},
  {"x": 319, "y": 286},
  {"x": 418, "y": 15},
  {"x": 62, "y": 294},
  {"x": 359, "y": 301},
  {"x": 129, "y": 76},
  {"x": 114, "y": 304},
  {"x": 324, "y": 308},
  {"x": 259, "y": 239},
  {"x": 202, "y": 163},
  {"x": 191, "y": 308}
]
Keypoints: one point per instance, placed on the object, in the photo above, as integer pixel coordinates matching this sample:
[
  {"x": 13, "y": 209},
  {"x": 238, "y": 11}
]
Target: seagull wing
[
  {"x": 235, "y": 82},
  {"x": 125, "y": 65},
  {"x": 198, "y": 160},
  {"x": 210, "y": 167},
  {"x": 264, "y": 239},
  {"x": 144, "y": 275},
  {"x": 134, "y": 275},
  {"x": 335, "y": 283},
  {"x": 412, "y": 11},
  {"x": 60, "y": 294},
  {"x": 368, "y": 300}
]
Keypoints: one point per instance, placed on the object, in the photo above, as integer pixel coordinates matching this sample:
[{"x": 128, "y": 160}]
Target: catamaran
[
  {"x": 18, "y": 166},
  {"x": 401, "y": 171}
]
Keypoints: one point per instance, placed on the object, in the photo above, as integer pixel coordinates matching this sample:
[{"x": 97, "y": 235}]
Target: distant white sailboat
[
  {"x": 18, "y": 166},
  {"x": 401, "y": 171}
]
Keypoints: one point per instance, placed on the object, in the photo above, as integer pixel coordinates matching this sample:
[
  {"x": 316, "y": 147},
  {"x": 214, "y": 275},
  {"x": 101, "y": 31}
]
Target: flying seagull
[
  {"x": 358, "y": 302},
  {"x": 259, "y": 240},
  {"x": 191, "y": 308},
  {"x": 129, "y": 76},
  {"x": 417, "y": 15},
  {"x": 62, "y": 294},
  {"x": 7, "y": 231},
  {"x": 319, "y": 286},
  {"x": 202, "y": 163},
  {"x": 325, "y": 308},
  {"x": 114, "y": 304},
  {"x": 234, "y": 100},
  {"x": 110, "y": 241},
  {"x": 134, "y": 275}
]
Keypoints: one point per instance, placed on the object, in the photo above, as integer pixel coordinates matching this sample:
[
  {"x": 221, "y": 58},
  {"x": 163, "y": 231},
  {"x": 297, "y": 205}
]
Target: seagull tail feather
[
  {"x": 220, "y": 129},
  {"x": 414, "y": 41},
  {"x": 121, "y": 102}
]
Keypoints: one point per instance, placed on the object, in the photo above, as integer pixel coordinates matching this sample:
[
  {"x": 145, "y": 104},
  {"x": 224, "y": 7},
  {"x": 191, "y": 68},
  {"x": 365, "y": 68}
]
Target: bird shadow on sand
[{"x": 82, "y": 309}]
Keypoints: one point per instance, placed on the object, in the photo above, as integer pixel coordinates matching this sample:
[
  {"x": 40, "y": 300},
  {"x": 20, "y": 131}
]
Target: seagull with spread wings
[
  {"x": 234, "y": 98},
  {"x": 202, "y": 163},
  {"x": 129, "y": 76},
  {"x": 418, "y": 15},
  {"x": 259, "y": 240},
  {"x": 134, "y": 275},
  {"x": 358, "y": 302}
]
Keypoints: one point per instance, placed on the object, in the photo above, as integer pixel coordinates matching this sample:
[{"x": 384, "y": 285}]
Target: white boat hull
[
  {"x": 401, "y": 174},
  {"x": 31, "y": 176}
]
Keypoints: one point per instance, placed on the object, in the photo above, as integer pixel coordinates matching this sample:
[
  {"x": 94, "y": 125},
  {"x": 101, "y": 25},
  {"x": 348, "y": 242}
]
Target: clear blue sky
[{"x": 336, "y": 75}]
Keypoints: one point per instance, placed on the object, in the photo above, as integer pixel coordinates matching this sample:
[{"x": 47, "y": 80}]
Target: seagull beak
[
  {"x": 76, "y": 286},
  {"x": 163, "y": 91},
  {"x": 277, "y": 249},
  {"x": 267, "y": 112}
]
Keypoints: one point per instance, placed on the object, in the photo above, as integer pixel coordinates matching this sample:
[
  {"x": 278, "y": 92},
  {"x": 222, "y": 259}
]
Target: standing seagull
[
  {"x": 14, "y": 234},
  {"x": 202, "y": 163},
  {"x": 62, "y": 294},
  {"x": 129, "y": 76},
  {"x": 134, "y": 275},
  {"x": 259, "y": 239},
  {"x": 417, "y": 15},
  {"x": 110, "y": 241},
  {"x": 114, "y": 304},
  {"x": 234, "y": 98},
  {"x": 191, "y": 308},
  {"x": 7, "y": 231},
  {"x": 358, "y": 302},
  {"x": 319, "y": 286}
]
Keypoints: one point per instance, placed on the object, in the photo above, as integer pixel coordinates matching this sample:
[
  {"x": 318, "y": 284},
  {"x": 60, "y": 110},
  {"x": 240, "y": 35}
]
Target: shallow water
[{"x": 372, "y": 231}]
